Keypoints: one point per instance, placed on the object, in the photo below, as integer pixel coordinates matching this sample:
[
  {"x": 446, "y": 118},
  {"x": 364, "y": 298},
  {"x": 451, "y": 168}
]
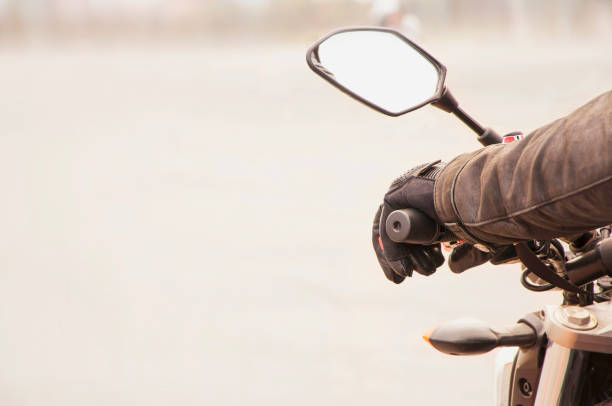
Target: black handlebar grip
[
  {"x": 592, "y": 264},
  {"x": 411, "y": 226},
  {"x": 604, "y": 248}
]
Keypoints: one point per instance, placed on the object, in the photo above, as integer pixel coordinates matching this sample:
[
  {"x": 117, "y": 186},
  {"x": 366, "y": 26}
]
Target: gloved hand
[
  {"x": 466, "y": 256},
  {"x": 412, "y": 190}
]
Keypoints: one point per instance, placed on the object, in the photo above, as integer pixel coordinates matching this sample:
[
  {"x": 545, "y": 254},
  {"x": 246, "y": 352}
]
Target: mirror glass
[{"x": 381, "y": 68}]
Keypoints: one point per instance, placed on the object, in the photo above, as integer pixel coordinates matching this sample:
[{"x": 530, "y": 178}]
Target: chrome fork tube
[{"x": 562, "y": 377}]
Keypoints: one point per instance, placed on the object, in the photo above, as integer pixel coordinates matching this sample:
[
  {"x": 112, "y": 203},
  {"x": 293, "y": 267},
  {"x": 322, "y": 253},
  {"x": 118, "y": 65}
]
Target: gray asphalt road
[{"x": 189, "y": 224}]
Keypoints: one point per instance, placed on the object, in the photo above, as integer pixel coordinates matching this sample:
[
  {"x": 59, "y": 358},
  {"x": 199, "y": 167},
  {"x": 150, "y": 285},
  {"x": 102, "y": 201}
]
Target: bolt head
[
  {"x": 577, "y": 318},
  {"x": 577, "y": 315}
]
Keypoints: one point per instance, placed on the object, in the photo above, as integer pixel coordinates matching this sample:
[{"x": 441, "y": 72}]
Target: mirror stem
[
  {"x": 448, "y": 103},
  {"x": 469, "y": 121}
]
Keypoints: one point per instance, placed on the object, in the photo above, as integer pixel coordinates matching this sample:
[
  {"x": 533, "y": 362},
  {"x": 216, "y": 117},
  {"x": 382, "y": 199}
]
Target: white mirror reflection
[{"x": 381, "y": 68}]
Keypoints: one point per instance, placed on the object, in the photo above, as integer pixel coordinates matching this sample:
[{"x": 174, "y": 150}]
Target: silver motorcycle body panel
[
  {"x": 556, "y": 368},
  {"x": 595, "y": 339},
  {"x": 504, "y": 368},
  {"x": 573, "y": 333}
]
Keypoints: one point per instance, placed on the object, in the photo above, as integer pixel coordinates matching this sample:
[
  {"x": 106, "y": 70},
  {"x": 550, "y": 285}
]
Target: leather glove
[
  {"x": 412, "y": 190},
  {"x": 466, "y": 256}
]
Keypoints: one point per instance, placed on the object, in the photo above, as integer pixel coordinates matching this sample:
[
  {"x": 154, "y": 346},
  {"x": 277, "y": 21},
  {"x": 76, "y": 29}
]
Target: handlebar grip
[
  {"x": 592, "y": 264},
  {"x": 604, "y": 248},
  {"x": 412, "y": 226}
]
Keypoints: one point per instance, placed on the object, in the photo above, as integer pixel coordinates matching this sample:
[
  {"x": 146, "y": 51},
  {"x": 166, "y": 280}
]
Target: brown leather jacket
[{"x": 555, "y": 182}]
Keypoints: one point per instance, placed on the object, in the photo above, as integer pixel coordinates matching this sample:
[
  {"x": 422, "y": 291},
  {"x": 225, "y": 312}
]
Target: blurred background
[
  {"x": 295, "y": 19},
  {"x": 186, "y": 208}
]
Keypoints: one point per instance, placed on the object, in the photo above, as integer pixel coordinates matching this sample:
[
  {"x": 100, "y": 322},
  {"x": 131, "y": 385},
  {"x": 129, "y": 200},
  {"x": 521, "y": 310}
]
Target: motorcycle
[{"x": 559, "y": 355}]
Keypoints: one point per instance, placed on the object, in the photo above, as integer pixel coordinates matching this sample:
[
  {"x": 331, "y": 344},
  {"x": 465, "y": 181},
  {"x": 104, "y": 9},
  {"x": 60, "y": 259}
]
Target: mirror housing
[
  {"x": 398, "y": 77},
  {"x": 415, "y": 56}
]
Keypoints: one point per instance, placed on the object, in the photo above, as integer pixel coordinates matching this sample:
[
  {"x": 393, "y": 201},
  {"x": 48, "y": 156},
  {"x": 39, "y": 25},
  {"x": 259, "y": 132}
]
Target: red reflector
[{"x": 511, "y": 138}]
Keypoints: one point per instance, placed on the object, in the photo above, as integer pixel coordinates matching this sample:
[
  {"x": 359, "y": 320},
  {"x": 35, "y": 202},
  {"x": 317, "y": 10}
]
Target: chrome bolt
[
  {"x": 577, "y": 318},
  {"x": 577, "y": 315}
]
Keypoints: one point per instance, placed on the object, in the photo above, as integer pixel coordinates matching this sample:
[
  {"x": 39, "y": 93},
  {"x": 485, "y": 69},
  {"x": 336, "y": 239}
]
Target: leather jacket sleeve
[{"x": 555, "y": 182}]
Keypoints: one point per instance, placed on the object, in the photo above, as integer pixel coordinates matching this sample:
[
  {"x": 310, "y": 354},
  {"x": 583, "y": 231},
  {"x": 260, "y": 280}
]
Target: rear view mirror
[{"x": 379, "y": 67}]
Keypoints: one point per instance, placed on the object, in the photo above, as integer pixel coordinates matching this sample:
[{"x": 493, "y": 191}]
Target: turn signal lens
[{"x": 428, "y": 335}]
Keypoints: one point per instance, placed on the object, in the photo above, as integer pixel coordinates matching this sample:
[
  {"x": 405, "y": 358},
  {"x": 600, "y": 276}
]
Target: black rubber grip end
[{"x": 411, "y": 226}]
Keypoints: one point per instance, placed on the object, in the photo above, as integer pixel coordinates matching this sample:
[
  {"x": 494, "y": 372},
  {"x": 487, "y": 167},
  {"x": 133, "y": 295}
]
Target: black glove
[
  {"x": 466, "y": 256},
  {"x": 412, "y": 190}
]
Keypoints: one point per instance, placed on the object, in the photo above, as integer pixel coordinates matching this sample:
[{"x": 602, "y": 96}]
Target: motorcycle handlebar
[
  {"x": 412, "y": 226},
  {"x": 591, "y": 265}
]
